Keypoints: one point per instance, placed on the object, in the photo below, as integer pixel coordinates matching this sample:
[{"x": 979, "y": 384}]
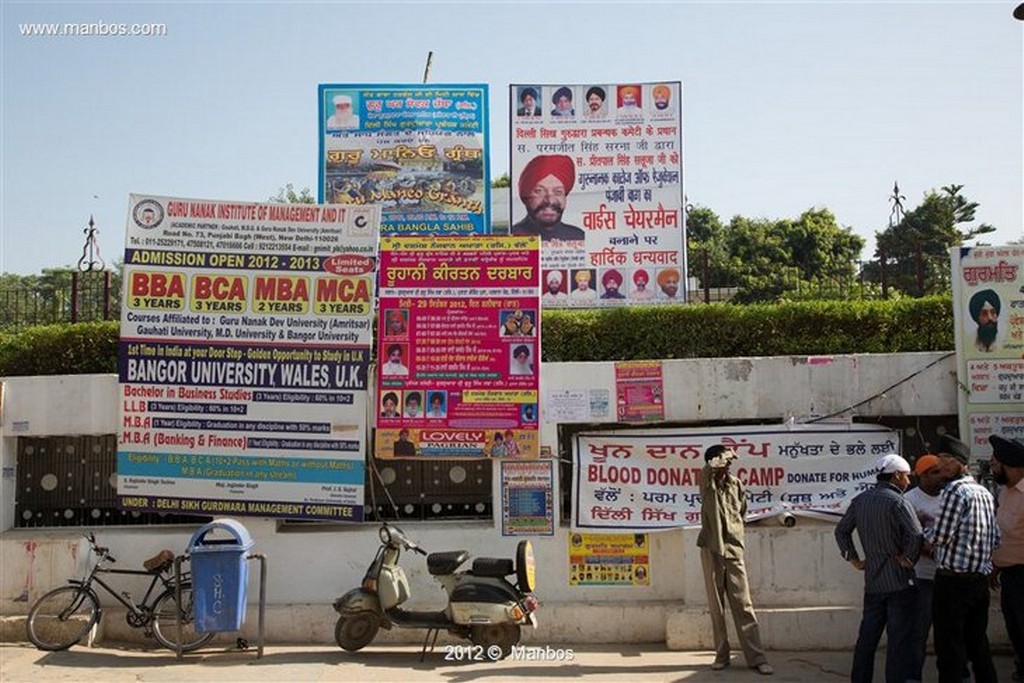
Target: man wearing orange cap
[
  {"x": 661, "y": 95},
  {"x": 629, "y": 99},
  {"x": 927, "y": 503},
  {"x": 544, "y": 185},
  {"x": 668, "y": 280},
  {"x": 583, "y": 291},
  {"x": 611, "y": 281}
]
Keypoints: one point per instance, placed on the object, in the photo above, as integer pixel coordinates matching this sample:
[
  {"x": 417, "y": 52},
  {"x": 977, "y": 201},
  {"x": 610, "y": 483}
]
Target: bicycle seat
[{"x": 160, "y": 562}]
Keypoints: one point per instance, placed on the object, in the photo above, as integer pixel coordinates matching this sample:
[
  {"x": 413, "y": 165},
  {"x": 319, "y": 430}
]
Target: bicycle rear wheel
[
  {"x": 62, "y": 617},
  {"x": 165, "y": 621}
]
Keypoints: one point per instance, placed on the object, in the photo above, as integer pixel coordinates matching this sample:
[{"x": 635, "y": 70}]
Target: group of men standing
[{"x": 931, "y": 556}]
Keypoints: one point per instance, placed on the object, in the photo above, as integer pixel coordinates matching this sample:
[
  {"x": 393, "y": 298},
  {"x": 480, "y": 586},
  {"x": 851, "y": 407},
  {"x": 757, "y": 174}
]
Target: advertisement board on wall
[
  {"x": 649, "y": 479},
  {"x": 597, "y": 173},
  {"x": 988, "y": 313},
  {"x": 243, "y": 358},
  {"x": 419, "y": 152},
  {"x": 459, "y": 347}
]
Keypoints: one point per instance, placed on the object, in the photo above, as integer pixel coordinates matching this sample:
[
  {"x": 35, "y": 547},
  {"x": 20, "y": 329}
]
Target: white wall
[{"x": 309, "y": 565}]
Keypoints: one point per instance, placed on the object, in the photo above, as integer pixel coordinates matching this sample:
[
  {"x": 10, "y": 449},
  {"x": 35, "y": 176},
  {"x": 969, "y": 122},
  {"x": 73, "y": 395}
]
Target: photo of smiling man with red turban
[{"x": 544, "y": 185}]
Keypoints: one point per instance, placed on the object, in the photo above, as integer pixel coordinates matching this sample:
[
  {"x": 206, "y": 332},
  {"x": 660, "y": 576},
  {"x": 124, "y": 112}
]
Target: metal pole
[
  {"x": 177, "y": 604},
  {"x": 426, "y": 70}
]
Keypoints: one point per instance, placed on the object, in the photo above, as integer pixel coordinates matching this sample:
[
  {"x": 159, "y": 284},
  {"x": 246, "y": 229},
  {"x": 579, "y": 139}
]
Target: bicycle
[{"x": 62, "y": 617}]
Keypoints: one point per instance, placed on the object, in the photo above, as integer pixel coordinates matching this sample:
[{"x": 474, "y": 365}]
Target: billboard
[
  {"x": 597, "y": 174},
  {"x": 243, "y": 358},
  {"x": 418, "y": 152}
]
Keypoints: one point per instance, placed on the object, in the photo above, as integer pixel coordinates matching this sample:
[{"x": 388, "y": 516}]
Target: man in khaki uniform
[{"x": 723, "y": 508}]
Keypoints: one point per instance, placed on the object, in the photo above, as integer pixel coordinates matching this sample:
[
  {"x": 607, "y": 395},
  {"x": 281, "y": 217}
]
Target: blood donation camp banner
[
  {"x": 459, "y": 347},
  {"x": 245, "y": 343},
  {"x": 419, "y": 152},
  {"x": 988, "y": 312},
  {"x": 646, "y": 480},
  {"x": 597, "y": 173}
]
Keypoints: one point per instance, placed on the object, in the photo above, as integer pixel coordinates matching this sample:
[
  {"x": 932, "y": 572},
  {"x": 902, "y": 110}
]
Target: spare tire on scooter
[
  {"x": 355, "y": 632},
  {"x": 495, "y": 638},
  {"x": 526, "y": 567}
]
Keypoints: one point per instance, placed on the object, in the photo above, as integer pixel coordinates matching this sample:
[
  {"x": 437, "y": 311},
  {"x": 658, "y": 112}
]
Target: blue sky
[{"x": 787, "y": 106}]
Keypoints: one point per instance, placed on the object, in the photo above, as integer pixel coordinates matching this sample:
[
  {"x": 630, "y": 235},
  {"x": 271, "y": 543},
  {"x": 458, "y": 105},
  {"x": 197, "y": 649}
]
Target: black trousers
[
  {"x": 1011, "y": 581},
  {"x": 960, "y": 623}
]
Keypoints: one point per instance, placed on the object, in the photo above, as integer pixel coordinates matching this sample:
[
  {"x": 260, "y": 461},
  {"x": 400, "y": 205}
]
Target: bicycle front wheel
[
  {"x": 165, "y": 621},
  {"x": 62, "y": 617}
]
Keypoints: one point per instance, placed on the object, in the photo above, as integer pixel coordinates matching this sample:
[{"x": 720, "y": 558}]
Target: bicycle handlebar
[{"x": 103, "y": 553}]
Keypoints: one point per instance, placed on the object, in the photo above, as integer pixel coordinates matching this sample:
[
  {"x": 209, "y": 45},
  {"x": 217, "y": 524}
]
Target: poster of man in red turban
[{"x": 544, "y": 186}]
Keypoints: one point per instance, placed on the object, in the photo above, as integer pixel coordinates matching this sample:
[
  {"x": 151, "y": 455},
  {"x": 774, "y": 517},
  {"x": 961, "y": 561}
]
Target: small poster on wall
[
  {"x": 527, "y": 498},
  {"x": 609, "y": 559},
  {"x": 639, "y": 391}
]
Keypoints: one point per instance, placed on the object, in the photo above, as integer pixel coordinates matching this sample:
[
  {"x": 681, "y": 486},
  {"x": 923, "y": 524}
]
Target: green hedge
[{"x": 635, "y": 333}]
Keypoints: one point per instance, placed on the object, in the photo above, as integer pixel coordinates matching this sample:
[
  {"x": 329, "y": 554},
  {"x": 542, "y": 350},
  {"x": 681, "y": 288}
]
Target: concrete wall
[{"x": 806, "y": 595}]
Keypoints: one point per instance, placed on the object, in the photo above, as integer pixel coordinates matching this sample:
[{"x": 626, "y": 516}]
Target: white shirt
[
  {"x": 521, "y": 368},
  {"x": 390, "y": 368},
  {"x": 335, "y": 122},
  {"x": 927, "y": 509},
  {"x": 583, "y": 295}
]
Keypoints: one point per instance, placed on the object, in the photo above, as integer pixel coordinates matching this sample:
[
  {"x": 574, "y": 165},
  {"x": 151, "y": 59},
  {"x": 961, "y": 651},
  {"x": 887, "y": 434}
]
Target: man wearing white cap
[
  {"x": 343, "y": 117},
  {"x": 891, "y": 537},
  {"x": 553, "y": 293}
]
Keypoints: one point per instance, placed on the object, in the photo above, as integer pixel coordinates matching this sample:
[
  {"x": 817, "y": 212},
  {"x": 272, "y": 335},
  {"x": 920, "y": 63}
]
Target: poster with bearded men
[
  {"x": 597, "y": 174},
  {"x": 988, "y": 311}
]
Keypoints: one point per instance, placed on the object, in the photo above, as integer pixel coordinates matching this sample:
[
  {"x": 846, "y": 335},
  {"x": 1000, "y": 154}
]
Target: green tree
[
  {"x": 772, "y": 260},
  {"x": 288, "y": 195},
  {"x": 502, "y": 181},
  {"x": 706, "y": 257},
  {"x": 918, "y": 246}
]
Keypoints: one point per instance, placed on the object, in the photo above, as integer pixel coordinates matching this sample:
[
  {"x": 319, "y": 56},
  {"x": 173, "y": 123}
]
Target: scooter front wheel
[
  {"x": 354, "y": 632},
  {"x": 503, "y": 636}
]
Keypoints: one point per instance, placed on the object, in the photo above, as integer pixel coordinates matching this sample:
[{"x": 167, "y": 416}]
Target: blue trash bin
[{"x": 220, "y": 575}]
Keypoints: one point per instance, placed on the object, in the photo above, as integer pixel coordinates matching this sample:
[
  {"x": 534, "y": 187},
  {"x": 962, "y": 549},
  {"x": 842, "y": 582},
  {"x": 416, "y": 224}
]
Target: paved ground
[{"x": 279, "y": 664}]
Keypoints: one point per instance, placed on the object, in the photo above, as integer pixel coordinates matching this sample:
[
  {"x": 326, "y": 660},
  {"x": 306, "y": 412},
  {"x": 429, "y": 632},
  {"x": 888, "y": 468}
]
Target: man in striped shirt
[
  {"x": 962, "y": 542},
  {"x": 891, "y": 538}
]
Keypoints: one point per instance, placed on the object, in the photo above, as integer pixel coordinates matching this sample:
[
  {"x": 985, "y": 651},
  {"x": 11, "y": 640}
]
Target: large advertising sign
[
  {"x": 418, "y": 152},
  {"x": 459, "y": 347},
  {"x": 646, "y": 480},
  {"x": 245, "y": 343},
  {"x": 597, "y": 173},
  {"x": 988, "y": 311}
]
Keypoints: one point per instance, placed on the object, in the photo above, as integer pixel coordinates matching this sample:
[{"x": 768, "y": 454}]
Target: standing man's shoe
[
  {"x": 718, "y": 665},
  {"x": 765, "y": 669}
]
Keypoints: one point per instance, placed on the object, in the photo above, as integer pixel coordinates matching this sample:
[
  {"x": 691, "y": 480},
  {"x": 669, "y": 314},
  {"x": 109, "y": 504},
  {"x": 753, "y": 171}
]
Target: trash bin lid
[{"x": 242, "y": 538}]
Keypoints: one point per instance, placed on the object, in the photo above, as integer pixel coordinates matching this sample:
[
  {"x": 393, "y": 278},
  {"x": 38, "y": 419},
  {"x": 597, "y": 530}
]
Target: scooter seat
[
  {"x": 439, "y": 564},
  {"x": 494, "y": 567}
]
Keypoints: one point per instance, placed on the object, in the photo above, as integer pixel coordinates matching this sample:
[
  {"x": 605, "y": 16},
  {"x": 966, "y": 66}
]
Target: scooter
[{"x": 483, "y": 606}]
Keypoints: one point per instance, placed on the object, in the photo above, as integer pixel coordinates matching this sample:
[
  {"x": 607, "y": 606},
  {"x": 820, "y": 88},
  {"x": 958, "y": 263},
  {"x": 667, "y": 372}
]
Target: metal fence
[
  {"x": 92, "y": 296},
  {"x": 79, "y": 297},
  {"x": 924, "y": 275}
]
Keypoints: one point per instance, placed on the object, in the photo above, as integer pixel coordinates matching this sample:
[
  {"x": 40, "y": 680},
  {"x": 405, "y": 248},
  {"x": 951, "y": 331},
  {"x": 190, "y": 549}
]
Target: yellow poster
[{"x": 609, "y": 560}]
